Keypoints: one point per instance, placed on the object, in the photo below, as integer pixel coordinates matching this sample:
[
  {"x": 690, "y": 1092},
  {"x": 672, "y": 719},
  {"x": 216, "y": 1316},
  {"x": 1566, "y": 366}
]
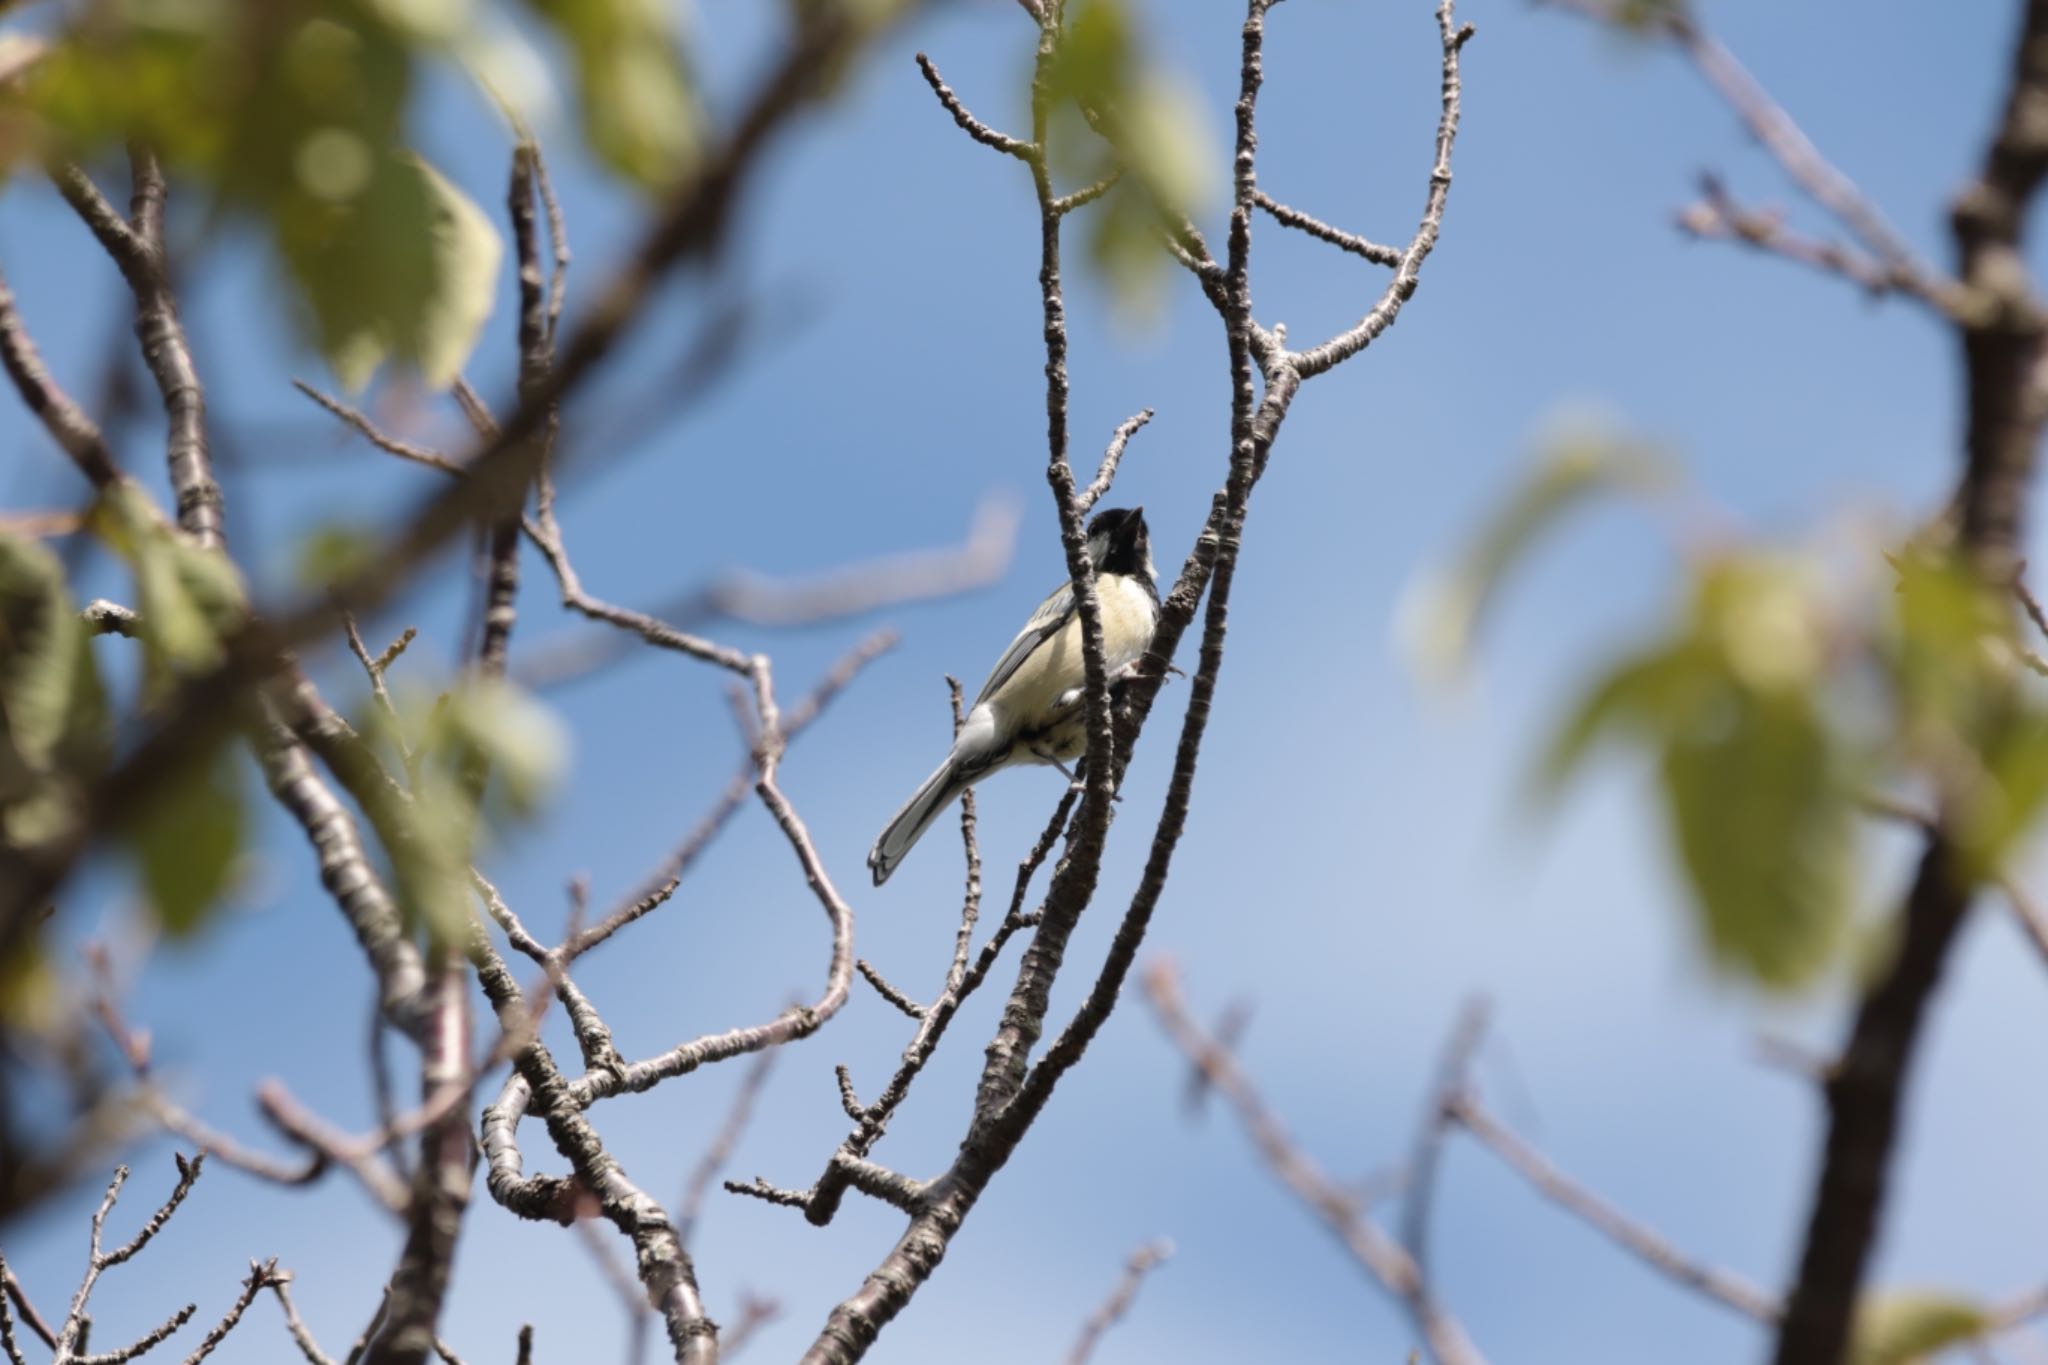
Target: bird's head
[{"x": 1119, "y": 543}]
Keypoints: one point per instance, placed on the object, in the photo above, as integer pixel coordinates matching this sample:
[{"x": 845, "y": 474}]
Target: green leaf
[
  {"x": 400, "y": 265},
  {"x": 187, "y": 840},
  {"x": 1950, "y": 652},
  {"x": 1642, "y": 698},
  {"x": 332, "y": 552},
  {"x": 484, "y": 733},
  {"x": 54, "y": 731},
  {"x": 639, "y": 103},
  {"x": 520, "y": 742},
  {"x": 1442, "y": 613},
  {"x": 1764, "y": 824},
  {"x": 292, "y": 113},
  {"x": 1758, "y": 784},
  {"x": 1113, "y": 108},
  {"x": 190, "y": 599},
  {"x": 1909, "y": 1327}
]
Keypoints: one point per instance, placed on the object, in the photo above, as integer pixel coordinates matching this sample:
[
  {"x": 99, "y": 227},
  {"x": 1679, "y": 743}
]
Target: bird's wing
[{"x": 1050, "y": 618}]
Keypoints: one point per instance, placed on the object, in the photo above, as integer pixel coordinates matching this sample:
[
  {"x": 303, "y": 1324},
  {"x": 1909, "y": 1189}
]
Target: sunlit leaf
[
  {"x": 187, "y": 840},
  {"x": 1442, "y": 612},
  {"x": 398, "y": 264},
  {"x": 1910, "y": 1327}
]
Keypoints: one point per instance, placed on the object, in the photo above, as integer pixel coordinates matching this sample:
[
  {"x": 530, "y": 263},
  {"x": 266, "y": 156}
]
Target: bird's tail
[{"x": 910, "y": 823}]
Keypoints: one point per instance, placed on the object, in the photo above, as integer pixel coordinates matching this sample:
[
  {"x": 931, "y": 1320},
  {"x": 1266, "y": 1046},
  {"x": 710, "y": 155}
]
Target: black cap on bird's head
[{"x": 1118, "y": 542}]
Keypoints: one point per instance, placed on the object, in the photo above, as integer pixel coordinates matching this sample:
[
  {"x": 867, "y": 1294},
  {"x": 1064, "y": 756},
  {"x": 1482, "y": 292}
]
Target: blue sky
[{"x": 1357, "y": 863}]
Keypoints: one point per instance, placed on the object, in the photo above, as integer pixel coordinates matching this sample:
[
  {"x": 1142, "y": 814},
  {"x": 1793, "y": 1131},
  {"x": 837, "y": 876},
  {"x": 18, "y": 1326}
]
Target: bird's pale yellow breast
[{"x": 1055, "y": 667}]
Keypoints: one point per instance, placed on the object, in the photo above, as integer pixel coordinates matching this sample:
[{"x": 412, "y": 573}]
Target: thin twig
[
  {"x": 1111, "y": 458},
  {"x": 721, "y": 1148},
  {"x": 1376, "y": 1253},
  {"x": 1337, "y": 237},
  {"x": 1142, "y": 1262},
  {"x": 1654, "y": 1250}
]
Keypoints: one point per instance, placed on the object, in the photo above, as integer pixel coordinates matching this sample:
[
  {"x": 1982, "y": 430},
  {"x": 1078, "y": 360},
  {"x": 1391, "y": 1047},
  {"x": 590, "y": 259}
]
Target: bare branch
[
  {"x": 301, "y": 1337},
  {"x": 1376, "y": 1253},
  {"x": 1452, "y": 1071},
  {"x": 1087, "y": 194},
  {"x": 375, "y": 435},
  {"x": 7, "y": 1342},
  {"x": 1717, "y": 215},
  {"x": 1337, "y": 237},
  {"x": 147, "y": 1342},
  {"x": 1466, "y": 1110},
  {"x": 889, "y": 992},
  {"x": 111, "y": 618},
  {"x": 262, "y": 1275},
  {"x": 1142, "y": 1262},
  {"x": 1406, "y": 275},
  {"x": 13, "y": 1291},
  {"x": 1028, "y": 152},
  {"x": 1111, "y": 458},
  {"x": 74, "y": 432},
  {"x": 721, "y": 1148}
]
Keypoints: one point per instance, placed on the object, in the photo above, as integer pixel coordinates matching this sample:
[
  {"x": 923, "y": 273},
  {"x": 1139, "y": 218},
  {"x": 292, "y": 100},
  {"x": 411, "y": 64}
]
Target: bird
[{"x": 1031, "y": 709}]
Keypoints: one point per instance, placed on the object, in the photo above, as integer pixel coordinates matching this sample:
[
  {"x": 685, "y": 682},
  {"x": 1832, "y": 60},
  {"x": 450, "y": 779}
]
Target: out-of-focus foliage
[
  {"x": 639, "y": 104},
  {"x": 1757, "y": 781},
  {"x": 187, "y": 841},
  {"x": 1442, "y": 613},
  {"x": 485, "y": 755},
  {"x": 189, "y": 599},
  {"x": 1145, "y": 122},
  {"x": 1912, "y": 1327},
  {"x": 292, "y": 113},
  {"x": 1775, "y": 703},
  {"x": 53, "y": 711}
]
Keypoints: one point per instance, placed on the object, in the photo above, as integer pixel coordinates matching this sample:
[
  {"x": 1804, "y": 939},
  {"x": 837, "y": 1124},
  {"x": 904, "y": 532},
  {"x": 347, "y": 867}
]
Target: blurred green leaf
[
  {"x": 483, "y": 731},
  {"x": 1442, "y": 612},
  {"x": 190, "y": 599},
  {"x": 521, "y": 742},
  {"x": 1145, "y": 121},
  {"x": 34, "y": 999},
  {"x": 639, "y": 102},
  {"x": 1759, "y": 787},
  {"x": 400, "y": 265},
  {"x": 1643, "y": 15},
  {"x": 292, "y": 113},
  {"x": 186, "y": 842},
  {"x": 1963, "y": 716},
  {"x": 331, "y": 552},
  {"x": 1950, "y": 652},
  {"x": 1763, "y": 820},
  {"x": 54, "y": 731},
  {"x": 1998, "y": 810},
  {"x": 1911, "y": 1327}
]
